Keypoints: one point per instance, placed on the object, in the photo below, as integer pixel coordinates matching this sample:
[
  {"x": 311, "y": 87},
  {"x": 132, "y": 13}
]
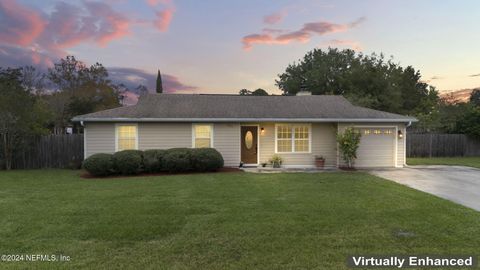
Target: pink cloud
[
  {"x": 68, "y": 25},
  {"x": 163, "y": 19},
  {"x": 303, "y": 35},
  {"x": 300, "y": 36},
  {"x": 19, "y": 25},
  {"x": 111, "y": 24},
  {"x": 49, "y": 35},
  {"x": 274, "y": 18}
]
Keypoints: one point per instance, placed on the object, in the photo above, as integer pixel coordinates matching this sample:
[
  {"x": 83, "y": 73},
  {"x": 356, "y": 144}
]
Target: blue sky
[{"x": 223, "y": 46}]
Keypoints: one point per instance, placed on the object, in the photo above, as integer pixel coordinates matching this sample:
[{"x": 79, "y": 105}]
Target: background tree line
[
  {"x": 378, "y": 83},
  {"x": 34, "y": 103}
]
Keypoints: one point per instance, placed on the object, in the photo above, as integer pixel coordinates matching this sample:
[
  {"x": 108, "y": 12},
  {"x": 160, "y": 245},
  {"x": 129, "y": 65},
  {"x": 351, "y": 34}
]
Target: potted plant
[
  {"x": 276, "y": 161},
  {"x": 319, "y": 161}
]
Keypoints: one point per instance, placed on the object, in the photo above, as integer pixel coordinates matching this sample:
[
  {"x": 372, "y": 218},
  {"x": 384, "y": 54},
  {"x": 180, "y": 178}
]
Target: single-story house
[{"x": 250, "y": 129}]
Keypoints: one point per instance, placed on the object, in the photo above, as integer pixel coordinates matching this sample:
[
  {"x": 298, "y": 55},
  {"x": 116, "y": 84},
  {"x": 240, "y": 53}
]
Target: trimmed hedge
[
  {"x": 173, "y": 160},
  {"x": 153, "y": 160},
  {"x": 128, "y": 161},
  {"x": 178, "y": 160},
  {"x": 206, "y": 160},
  {"x": 99, "y": 164}
]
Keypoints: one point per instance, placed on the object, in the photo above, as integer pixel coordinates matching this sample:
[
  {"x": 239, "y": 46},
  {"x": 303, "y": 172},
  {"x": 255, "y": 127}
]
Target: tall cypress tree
[{"x": 159, "y": 83}]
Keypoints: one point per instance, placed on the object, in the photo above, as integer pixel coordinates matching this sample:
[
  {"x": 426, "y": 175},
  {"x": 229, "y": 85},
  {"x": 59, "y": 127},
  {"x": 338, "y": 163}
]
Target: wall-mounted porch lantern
[{"x": 400, "y": 134}]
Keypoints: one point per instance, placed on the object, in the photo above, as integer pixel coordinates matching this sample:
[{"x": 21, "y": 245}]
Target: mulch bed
[
  {"x": 347, "y": 169},
  {"x": 86, "y": 175}
]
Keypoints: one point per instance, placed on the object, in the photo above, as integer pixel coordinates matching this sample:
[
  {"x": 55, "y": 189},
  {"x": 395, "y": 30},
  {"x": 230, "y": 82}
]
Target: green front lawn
[
  {"x": 462, "y": 161},
  {"x": 224, "y": 221}
]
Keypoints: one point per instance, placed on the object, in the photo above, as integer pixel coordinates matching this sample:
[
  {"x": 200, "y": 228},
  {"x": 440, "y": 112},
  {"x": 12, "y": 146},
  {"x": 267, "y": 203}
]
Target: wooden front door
[{"x": 249, "y": 144}]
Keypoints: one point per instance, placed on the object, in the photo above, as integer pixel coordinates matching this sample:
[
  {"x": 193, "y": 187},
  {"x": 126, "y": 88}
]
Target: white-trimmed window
[
  {"x": 202, "y": 136},
  {"x": 292, "y": 138},
  {"x": 126, "y": 137}
]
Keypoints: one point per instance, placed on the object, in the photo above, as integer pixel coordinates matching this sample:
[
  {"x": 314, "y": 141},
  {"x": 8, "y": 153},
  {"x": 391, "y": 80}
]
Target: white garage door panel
[{"x": 377, "y": 148}]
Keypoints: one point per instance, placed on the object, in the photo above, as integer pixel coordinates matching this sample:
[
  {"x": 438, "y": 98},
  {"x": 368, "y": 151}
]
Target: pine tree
[{"x": 159, "y": 83}]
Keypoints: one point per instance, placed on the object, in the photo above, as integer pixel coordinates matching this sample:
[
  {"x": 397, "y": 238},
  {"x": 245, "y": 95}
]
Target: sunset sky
[{"x": 223, "y": 46}]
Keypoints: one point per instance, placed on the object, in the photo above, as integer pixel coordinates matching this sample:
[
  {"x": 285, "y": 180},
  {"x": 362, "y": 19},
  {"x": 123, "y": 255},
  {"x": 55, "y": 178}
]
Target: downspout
[
  {"x": 84, "y": 140},
  {"x": 405, "y": 144}
]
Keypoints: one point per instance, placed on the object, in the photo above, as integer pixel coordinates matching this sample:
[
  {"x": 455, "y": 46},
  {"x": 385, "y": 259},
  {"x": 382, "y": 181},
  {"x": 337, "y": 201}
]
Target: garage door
[{"x": 377, "y": 148}]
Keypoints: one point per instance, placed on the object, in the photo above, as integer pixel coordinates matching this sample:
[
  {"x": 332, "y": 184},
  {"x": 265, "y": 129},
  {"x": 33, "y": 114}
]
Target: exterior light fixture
[
  {"x": 400, "y": 134},
  {"x": 262, "y": 130}
]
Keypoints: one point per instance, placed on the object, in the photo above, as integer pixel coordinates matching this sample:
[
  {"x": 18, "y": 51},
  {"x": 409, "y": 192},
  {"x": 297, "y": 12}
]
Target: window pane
[
  {"x": 202, "y": 143},
  {"x": 301, "y": 132},
  {"x": 202, "y": 131},
  {"x": 284, "y": 132},
  {"x": 202, "y": 136},
  {"x": 126, "y": 137},
  {"x": 126, "y": 144},
  {"x": 284, "y": 146},
  {"x": 301, "y": 146}
]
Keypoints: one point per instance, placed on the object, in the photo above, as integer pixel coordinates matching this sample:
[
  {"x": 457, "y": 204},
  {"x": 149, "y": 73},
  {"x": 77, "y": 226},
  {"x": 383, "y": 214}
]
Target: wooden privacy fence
[
  {"x": 441, "y": 145},
  {"x": 51, "y": 151}
]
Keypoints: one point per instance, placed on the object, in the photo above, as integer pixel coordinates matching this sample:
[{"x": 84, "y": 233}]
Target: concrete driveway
[{"x": 455, "y": 183}]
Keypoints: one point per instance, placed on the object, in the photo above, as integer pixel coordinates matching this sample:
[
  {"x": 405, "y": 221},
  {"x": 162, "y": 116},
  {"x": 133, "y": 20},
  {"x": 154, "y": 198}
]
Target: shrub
[
  {"x": 348, "y": 142},
  {"x": 177, "y": 160},
  {"x": 99, "y": 164},
  {"x": 206, "y": 159},
  {"x": 153, "y": 160},
  {"x": 128, "y": 161}
]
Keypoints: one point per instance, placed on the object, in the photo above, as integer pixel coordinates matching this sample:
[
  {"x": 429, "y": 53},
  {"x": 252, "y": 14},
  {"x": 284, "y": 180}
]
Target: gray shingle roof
[{"x": 195, "y": 107}]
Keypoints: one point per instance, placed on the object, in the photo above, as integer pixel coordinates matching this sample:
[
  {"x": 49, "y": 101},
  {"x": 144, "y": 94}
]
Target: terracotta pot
[{"x": 320, "y": 163}]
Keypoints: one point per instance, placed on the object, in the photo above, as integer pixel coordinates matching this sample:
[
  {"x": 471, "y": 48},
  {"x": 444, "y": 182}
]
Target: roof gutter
[{"x": 224, "y": 120}]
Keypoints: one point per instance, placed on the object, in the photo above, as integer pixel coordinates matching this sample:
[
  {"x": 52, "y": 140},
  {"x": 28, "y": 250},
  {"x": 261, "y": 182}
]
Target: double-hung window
[
  {"x": 292, "y": 138},
  {"x": 202, "y": 136},
  {"x": 126, "y": 137}
]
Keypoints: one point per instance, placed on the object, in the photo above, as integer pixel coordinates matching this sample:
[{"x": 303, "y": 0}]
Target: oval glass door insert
[{"x": 248, "y": 140}]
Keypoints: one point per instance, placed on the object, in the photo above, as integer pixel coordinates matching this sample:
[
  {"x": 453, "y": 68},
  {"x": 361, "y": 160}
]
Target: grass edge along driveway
[
  {"x": 223, "y": 221},
  {"x": 458, "y": 161}
]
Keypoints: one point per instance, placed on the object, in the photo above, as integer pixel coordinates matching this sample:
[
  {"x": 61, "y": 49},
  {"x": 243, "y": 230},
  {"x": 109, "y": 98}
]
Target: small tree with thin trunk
[
  {"x": 348, "y": 143},
  {"x": 159, "y": 86}
]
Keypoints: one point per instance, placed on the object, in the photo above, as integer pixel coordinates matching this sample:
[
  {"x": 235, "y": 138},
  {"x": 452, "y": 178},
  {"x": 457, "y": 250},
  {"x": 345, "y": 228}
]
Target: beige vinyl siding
[
  {"x": 322, "y": 143},
  {"x": 399, "y": 147},
  {"x": 227, "y": 142},
  {"x": 164, "y": 135},
  {"x": 100, "y": 138},
  {"x": 226, "y": 138}
]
